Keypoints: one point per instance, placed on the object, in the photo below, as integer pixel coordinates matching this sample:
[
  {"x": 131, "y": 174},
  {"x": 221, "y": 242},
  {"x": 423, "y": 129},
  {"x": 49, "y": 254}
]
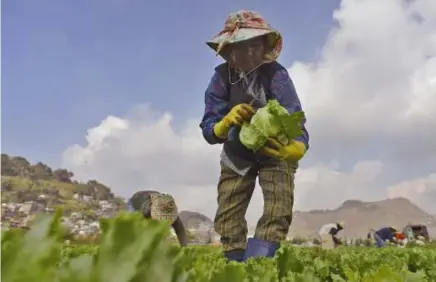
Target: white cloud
[
  {"x": 421, "y": 191},
  {"x": 376, "y": 77},
  {"x": 376, "y": 80},
  {"x": 321, "y": 187},
  {"x": 130, "y": 155}
]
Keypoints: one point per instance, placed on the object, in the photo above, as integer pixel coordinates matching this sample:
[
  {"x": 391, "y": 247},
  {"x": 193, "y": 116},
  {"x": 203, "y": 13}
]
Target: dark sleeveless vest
[{"x": 240, "y": 156}]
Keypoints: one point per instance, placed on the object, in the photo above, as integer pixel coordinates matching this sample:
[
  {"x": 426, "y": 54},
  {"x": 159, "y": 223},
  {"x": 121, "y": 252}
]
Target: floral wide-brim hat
[{"x": 245, "y": 25}]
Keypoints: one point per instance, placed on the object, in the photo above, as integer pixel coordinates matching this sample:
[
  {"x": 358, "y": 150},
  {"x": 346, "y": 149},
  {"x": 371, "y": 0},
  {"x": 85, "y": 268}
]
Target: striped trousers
[{"x": 234, "y": 194}]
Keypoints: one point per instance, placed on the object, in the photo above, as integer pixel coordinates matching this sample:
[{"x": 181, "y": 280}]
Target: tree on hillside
[
  {"x": 63, "y": 175},
  {"x": 14, "y": 166},
  {"x": 83, "y": 189},
  {"x": 41, "y": 171},
  {"x": 100, "y": 191},
  {"x": 7, "y": 185},
  {"x": 22, "y": 166},
  {"x": 23, "y": 181},
  {"x": 7, "y": 168}
]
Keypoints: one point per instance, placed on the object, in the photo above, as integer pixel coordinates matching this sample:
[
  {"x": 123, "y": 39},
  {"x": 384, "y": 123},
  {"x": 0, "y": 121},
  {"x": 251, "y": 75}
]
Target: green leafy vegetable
[
  {"x": 136, "y": 250},
  {"x": 271, "y": 121}
]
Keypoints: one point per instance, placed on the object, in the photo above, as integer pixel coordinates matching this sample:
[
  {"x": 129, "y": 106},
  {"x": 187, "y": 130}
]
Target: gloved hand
[
  {"x": 295, "y": 150},
  {"x": 237, "y": 115}
]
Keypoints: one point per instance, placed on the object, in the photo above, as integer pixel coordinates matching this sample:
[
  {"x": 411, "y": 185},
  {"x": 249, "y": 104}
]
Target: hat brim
[{"x": 244, "y": 34}]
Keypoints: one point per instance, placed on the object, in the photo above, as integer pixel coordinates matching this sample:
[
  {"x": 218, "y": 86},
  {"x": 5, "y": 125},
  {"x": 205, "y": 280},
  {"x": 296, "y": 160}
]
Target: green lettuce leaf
[{"x": 271, "y": 121}]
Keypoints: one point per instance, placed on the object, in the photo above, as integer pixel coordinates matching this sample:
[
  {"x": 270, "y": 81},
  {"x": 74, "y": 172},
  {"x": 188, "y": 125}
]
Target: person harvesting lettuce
[
  {"x": 159, "y": 206},
  {"x": 248, "y": 81}
]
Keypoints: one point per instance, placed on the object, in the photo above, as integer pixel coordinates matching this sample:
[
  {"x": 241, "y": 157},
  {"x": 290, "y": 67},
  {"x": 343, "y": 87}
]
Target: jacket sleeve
[
  {"x": 180, "y": 232},
  {"x": 216, "y": 107},
  {"x": 283, "y": 90}
]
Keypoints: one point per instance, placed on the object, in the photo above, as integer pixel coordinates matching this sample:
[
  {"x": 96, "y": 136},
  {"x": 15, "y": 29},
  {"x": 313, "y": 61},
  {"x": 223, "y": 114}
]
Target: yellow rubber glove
[
  {"x": 295, "y": 150},
  {"x": 237, "y": 115}
]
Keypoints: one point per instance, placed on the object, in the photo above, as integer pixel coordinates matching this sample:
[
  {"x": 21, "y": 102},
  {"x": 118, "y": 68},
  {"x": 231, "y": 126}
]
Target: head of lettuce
[
  {"x": 271, "y": 122},
  {"x": 263, "y": 145}
]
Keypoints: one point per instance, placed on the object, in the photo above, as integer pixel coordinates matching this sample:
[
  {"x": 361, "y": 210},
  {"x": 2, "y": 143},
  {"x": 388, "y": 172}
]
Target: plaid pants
[{"x": 234, "y": 195}]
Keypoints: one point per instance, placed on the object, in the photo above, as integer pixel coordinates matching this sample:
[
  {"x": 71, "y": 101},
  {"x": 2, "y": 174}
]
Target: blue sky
[{"x": 66, "y": 65}]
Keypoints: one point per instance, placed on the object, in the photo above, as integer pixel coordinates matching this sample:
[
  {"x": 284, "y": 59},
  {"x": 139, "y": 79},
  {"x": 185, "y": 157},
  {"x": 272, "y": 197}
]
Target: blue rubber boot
[
  {"x": 235, "y": 255},
  {"x": 260, "y": 248}
]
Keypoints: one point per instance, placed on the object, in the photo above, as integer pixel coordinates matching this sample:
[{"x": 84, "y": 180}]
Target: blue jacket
[{"x": 386, "y": 233}]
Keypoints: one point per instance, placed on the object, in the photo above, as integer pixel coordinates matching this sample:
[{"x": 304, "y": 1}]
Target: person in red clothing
[
  {"x": 400, "y": 236},
  {"x": 401, "y": 239}
]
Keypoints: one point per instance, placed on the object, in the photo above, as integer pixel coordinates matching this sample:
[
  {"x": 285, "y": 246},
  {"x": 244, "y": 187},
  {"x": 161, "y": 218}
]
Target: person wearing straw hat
[
  {"x": 328, "y": 235},
  {"x": 249, "y": 78},
  {"x": 161, "y": 207}
]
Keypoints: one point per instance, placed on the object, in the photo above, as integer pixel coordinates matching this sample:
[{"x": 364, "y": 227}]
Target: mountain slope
[
  {"x": 195, "y": 219},
  {"x": 360, "y": 216}
]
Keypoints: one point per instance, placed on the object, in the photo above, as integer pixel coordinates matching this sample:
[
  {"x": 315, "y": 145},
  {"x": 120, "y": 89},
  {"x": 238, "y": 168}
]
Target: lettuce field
[{"x": 136, "y": 250}]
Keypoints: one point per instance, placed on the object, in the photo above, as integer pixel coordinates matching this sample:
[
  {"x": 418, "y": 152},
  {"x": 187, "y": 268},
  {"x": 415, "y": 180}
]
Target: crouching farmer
[
  {"x": 382, "y": 235},
  {"x": 328, "y": 235},
  {"x": 247, "y": 81},
  {"x": 155, "y": 205}
]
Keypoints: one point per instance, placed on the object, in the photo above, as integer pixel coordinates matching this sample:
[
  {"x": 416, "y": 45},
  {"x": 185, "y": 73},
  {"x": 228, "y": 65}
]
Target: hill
[
  {"x": 28, "y": 189},
  {"x": 200, "y": 226},
  {"x": 195, "y": 220},
  {"x": 360, "y": 216},
  {"x": 31, "y": 188},
  {"x": 22, "y": 181}
]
